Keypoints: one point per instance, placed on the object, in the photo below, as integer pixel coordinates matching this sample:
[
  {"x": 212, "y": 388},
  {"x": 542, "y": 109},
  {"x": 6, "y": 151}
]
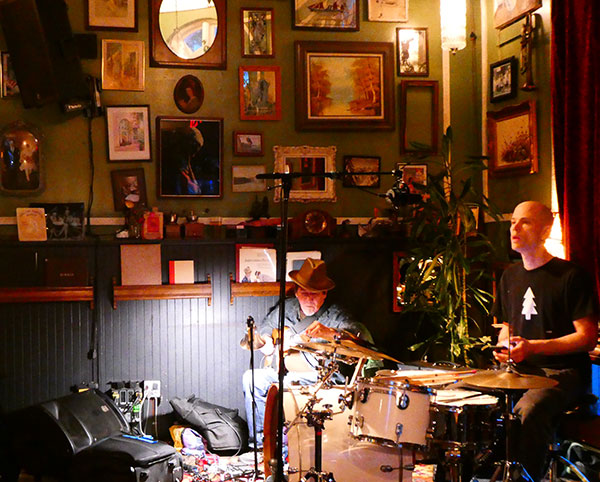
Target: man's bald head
[
  {"x": 530, "y": 225},
  {"x": 539, "y": 211}
]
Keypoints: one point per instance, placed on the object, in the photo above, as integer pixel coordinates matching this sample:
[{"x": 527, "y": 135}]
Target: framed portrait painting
[
  {"x": 188, "y": 94},
  {"x": 512, "y": 140},
  {"x": 129, "y": 187},
  {"x": 190, "y": 156},
  {"x": 344, "y": 85},
  {"x": 354, "y": 165},
  {"x": 503, "y": 79},
  {"x": 260, "y": 92},
  {"x": 258, "y": 38},
  {"x": 111, "y": 15},
  {"x": 122, "y": 65},
  {"x": 248, "y": 143},
  {"x": 507, "y": 12},
  {"x": 8, "y": 79},
  {"x": 128, "y": 132},
  {"x": 412, "y": 57},
  {"x": 387, "y": 10},
  {"x": 340, "y": 15}
]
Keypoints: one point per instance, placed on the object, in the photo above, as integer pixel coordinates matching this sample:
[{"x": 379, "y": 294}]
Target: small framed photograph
[
  {"x": 340, "y": 15},
  {"x": 353, "y": 165},
  {"x": 414, "y": 176},
  {"x": 64, "y": 221},
  {"x": 248, "y": 143},
  {"x": 503, "y": 79},
  {"x": 190, "y": 156},
  {"x": 412, "y": 52},
  {"x": 387, "y": 10},
  {"x": 128, "y": 132},
  {"x": 243, "y": 178},
  {"x": 512, "y": 140},
  {"x": 8, "y": 79},
  {"x": 188, "y": 94},
  {"x": 256, "y": 263},
  {"x": 129, "y": 188},
  {"x": 260, "y": 92},
  {"x": 123, "y": 65},
  {"x": 111, "y": 15},
  {"x": 258, "y": 38}
]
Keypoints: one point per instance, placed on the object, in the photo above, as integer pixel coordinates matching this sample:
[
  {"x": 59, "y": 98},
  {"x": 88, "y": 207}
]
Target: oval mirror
[{"x": 188, "y": 27}]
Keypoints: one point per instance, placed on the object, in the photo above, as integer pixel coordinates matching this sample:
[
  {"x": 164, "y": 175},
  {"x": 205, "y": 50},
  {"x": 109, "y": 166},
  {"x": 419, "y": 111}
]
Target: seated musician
[
  {"x": 549, "y": 307},
  {"x": 308, "y": 316}
]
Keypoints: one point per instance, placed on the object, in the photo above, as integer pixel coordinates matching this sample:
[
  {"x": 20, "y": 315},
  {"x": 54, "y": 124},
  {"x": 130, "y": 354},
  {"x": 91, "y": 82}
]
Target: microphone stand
[{"x": 250, "y": 325}]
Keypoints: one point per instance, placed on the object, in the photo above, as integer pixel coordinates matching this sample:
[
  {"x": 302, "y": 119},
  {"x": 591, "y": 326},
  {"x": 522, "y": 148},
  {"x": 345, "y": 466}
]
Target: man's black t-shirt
[{"x": 543, "y": 303}]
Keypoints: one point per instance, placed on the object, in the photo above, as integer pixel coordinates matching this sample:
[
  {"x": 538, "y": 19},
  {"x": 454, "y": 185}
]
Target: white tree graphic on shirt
[{"x": 529, "y": 304}]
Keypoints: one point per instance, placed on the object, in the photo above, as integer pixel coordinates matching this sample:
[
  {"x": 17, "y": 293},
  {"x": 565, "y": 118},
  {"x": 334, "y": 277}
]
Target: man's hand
[
  {"x": 317, "y": 330},
  {"x": 269, "y": 347},
  {"x": 520, "y": 349}
]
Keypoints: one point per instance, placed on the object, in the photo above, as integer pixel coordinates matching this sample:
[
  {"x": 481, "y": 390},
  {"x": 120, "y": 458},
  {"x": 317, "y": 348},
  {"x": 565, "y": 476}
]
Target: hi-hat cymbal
[
  {"x": 259, "y": 342},
  {"x": 508, "y": 380}
]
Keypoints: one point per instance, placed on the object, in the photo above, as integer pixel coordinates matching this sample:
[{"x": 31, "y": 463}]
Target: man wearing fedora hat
[{"x": 308, "y": 316}]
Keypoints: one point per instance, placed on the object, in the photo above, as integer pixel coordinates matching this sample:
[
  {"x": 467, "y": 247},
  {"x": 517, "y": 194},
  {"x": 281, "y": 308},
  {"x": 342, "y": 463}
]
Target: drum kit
[{"x": 386, "y": 427}]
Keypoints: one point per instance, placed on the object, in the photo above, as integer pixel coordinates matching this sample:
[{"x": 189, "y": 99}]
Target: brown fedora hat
[{"x": 312, "y": 276}]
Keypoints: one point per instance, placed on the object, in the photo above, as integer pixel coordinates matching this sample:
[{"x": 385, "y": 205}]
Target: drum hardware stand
[
  {"x": 250, "y": 325},
  {"x": 316, "y": 419}
]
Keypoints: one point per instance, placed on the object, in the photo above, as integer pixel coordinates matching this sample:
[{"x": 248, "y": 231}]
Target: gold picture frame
[
  {"x": 119, "y": 15},
  {"x": 123, "y": 65}
]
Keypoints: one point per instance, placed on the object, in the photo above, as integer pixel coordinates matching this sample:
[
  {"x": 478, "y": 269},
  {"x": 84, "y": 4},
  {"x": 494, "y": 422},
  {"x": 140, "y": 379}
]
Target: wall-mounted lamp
[{"x": 453, "y": 15}]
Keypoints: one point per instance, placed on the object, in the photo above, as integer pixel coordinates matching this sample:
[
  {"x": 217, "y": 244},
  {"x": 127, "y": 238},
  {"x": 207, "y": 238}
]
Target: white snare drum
[
  {"x": 349, "y": 460},
  {"x": 390, "y": 413},
  {"x": 463, "y": 419}
]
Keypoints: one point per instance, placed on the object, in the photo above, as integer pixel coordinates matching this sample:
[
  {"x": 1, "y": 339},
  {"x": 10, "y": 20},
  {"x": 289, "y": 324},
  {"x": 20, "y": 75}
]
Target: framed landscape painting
[
  {"x": 387, "y": 10},
  {"x": 111, "y": 15},
  {"x": 344, "y": 85},
  {"x": 326, "y": 15}
]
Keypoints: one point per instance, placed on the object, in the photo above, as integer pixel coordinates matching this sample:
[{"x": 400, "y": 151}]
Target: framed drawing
[
  {"x": 412, "y": 52},
  {"x": 129, "y": 187},
  {"x": 507, "y": 12},
  {"x": 414, "y": 176},
  {"x": 258, "y": 38},
  {"x": 248, "y": 143},
  {"x": 387, "y": 11},
  {"x": 128, "y": 132},
  {"x": 255, "y": 263},
  {"x": 326, "y": 15},
  {"x": 8, "y": 79},
  {"x": 503, "y": 79},
  {"x": 243, "y": 178},
  {"x": 122, "y": 64},
  {"x": 31, "y": 224},
  {"x": 64, "y": 221},
  {"x": 111, "y": 15},
  {"x": 308, "y": 164},
  {"x": 360, "y": 98},
  {"x": 512, "y": 140},
  {"x": 419, "y": 116},
  {"x": 190, "y": 156},
  {"x": 354, "y": 165},
  {"x": 260, "y": 92},
  {"x": 21, "y": 162},
  {"x": 188, "y": 94},
  {"x": 188, "y": 34}
]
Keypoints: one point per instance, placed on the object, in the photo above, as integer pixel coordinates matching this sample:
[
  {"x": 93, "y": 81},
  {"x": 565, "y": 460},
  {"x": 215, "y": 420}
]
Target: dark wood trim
[
  {"x": 44, "y": 294},
  {"x": 256, "y": 289}
]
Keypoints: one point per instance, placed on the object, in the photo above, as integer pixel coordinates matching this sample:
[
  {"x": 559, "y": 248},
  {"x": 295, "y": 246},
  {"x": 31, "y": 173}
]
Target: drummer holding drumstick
[{"x": 549, "y": 307}]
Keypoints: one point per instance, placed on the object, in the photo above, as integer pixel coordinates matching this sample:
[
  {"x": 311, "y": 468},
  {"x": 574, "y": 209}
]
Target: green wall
[{"x": 67, "y": 170}]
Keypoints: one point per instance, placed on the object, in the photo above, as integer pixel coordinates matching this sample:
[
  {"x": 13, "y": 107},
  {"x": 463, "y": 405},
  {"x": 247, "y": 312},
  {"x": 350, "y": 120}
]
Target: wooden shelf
[
  {"x": 44, "y": 294},
  {"x": 162, "y": 292},
  {"x": 256, "y": 289}
]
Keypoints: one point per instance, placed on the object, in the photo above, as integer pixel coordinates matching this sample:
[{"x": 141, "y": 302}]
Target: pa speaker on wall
[{"x": 43, "y": 51}]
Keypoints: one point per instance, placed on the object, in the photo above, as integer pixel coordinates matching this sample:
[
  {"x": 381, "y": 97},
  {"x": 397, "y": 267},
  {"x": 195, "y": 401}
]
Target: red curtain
[{"x": 576, "y": 126}]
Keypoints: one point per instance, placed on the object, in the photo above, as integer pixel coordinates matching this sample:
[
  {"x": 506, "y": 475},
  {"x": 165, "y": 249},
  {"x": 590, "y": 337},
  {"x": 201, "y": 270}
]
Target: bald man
[{"x": 549, "y": 307}]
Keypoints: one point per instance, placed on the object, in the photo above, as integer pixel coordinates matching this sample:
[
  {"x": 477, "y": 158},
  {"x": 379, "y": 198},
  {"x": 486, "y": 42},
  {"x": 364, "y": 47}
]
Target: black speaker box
[{"x": 43, "y": 51}]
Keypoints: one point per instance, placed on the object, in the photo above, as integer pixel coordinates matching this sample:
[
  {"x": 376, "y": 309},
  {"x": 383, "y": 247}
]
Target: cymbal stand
[{"x": 316, "y": 419}]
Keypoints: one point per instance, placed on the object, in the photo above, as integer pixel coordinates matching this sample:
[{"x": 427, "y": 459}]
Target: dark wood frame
[
  {"x": 521, "y": 12},
  {"x": 148, "y": 131},
  {"x": 118, "y": 174},
  {"x": 179, "y": 87},
  {"x": 133, "y": 28},
  {"x": 383, "y": 50},
  {"x": 514, "y": 68},
  {"x": 404, "y": 111},
  {"x": 398, "y": 56},
  {"x": 260, "y": 68},
  {"x": 348, "y": 181},
  {"x": 239, "y": 153},
  {"x": 243, "y": 35},
  {"x": 353, "y": 28},
  {"x": 214, "y": 58},
  {"x": 530, "y": 166},
  {"x": 159, "y": 142}
]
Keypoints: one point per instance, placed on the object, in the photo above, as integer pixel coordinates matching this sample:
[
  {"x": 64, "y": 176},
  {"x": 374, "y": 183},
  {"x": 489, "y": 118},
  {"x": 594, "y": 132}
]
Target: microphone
[
  {"x": 250, "y": 325},
  {"x": 400, "y": 195}
]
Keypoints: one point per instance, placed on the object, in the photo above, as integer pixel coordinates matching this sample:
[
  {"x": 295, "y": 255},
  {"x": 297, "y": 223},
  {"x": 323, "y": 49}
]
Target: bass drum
[{"x": 349, "y": 460}]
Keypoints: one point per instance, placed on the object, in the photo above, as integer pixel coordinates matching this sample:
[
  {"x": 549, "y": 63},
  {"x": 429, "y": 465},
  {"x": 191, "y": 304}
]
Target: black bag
[{"x": 223, "y": 429}]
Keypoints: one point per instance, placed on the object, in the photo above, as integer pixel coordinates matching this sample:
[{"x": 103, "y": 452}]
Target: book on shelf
[
  {"x": 140, "y": 264},
  {"x": 181, "y": 271}
]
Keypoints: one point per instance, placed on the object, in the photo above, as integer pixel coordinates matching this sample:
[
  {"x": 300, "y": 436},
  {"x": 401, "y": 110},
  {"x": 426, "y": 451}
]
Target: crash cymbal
[
  {"x": 259, "y": 342},
  {"x": 508, "y": 380},
  {"x": 345, "y": 348},
  {"x": 366, "y": 348}
]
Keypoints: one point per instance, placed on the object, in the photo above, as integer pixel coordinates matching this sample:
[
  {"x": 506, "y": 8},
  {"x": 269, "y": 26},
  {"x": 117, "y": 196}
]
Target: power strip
[{"x": 152, "y": 388}]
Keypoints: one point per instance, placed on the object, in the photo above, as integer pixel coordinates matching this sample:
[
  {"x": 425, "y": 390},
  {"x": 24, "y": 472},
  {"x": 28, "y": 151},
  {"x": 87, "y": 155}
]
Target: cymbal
[
  {"x": 508, "y": 380},
  {"x": 345, "y": 348},
  {"x": 259, "y": 342},
  {"x": 367, "y": 349}
]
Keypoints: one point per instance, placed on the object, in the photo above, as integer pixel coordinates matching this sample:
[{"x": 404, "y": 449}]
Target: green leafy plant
[{"x": 444, "y": 290}]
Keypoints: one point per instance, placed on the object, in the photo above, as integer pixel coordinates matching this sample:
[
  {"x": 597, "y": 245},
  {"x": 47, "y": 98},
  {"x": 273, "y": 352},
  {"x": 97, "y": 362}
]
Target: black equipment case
[{"x": 64, "y": 437}]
